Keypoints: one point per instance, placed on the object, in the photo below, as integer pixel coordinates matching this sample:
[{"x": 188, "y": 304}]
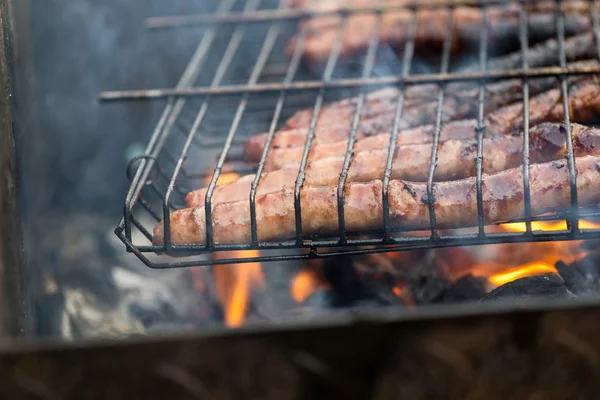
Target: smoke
[
  {"x": 72, "y": 151},
  {"x": 80, "y": 48}
]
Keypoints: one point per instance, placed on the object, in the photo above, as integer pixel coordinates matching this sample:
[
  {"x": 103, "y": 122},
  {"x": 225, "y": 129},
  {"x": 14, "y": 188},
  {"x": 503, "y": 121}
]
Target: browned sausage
[
  {"x": 584, "y": 99},
  {"x": 393, "y": 29},
  {"x": 456, "y": 160},
  {"x": 455, "y": 205}
]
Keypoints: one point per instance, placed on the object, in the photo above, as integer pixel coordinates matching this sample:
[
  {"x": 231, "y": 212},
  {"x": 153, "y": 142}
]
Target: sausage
[
  {"x": 579, "y": 47},
  {"x": 455, "y": 205},
  {"x": 377, "y": 102},
  {"x": 290, "y": 146},
  {"x": 456, "y": 160},
  {"x": 584, "y": 101},
  {"x": 393, "y": 29}
]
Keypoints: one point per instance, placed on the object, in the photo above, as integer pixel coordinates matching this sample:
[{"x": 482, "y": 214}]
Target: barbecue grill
[
  {"x": 546, "y": 349},
  {"x": 187, "y": 135}
]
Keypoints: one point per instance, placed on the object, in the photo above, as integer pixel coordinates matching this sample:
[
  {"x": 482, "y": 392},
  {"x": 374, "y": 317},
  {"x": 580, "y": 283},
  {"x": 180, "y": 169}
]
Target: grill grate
[{"x": 189, "y": 134}]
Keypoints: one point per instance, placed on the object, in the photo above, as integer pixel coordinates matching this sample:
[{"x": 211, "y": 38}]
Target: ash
[{"x": 97, "y": 290}]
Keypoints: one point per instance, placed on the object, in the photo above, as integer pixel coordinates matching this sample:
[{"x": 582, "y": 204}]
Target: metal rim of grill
[{"x": 151, "y": 167}]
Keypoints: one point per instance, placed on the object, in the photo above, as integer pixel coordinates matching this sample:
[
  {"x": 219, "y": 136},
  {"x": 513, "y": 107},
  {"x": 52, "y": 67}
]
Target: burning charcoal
[
  {"x": 347, "y": 287},
  {"x": 429, "y": 289},
  {"x": 467, "y": 288},
  {"x": 541, "y": 286},
  {"x": 582, "y": 277}
]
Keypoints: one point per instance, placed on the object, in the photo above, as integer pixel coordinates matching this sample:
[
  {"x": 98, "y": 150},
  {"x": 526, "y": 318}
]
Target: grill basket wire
[{"x": 196, "y": 128}]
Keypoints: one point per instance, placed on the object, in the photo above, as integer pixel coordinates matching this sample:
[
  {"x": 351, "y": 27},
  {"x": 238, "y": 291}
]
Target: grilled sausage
[
  {"x": 456, "y": 160},
  {"x": 420, "y": 102},
  {"x": 579, "y": 47},
  {"x": 381, "y": 101},
  {"x": 290, "y": 144},
  {"x": 455, "y": 204},
  {"x": 584, "y": 98},
  {"x": 393, "y": 29}
]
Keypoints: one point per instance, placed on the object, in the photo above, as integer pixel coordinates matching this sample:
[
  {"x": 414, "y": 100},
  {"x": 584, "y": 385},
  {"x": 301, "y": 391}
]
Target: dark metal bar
[
  {"x": 438, "y": 122},
  {"x": 263, "y": 56},
  {"x": 289, "y": 77},
  {"x": 168, "y": 118},
  {"x": 490, "y": 76},
  {"x": 232, "y": 47},
  {"x": 17, "y": 277},
  {"x": 299, "y": 14},
  {"x": 452, "y": 351},
  {"x": 327, "y": 74},
  {"x": 141, "y": 227},
  {"x": 573, "y": 217},
  {"x": 408, "y": 243},
  {"x": 524, "y": 39},
  {"x": 387, "y": 175},
  {"x": 367, "y": 70},
  {"x": 481, "y": 128}
]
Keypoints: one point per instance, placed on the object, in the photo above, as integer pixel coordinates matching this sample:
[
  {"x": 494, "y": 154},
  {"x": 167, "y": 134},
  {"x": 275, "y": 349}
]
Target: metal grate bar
[
  {"x": 327, "y": 74},
  {"x": 164, "y": 170},
  {"x": 406, "y": 66},
  {"x": 168, "y": 118},
  {"x": 466, "y": 240},
  {"x": 416, "y": 79},
  {"x": 232, "y": 47},
  {"x": 438, "y": 123},
  {"x": 480, "y": 130},
  {"x": 407, "y": 241},
  {"x": 263, "y": 56},
  {"x": 573, "y": 218},
  {"x": 367, "y": 70},
  {"x": 289, "y": 77},
  {"x": 524, "y": 39}
]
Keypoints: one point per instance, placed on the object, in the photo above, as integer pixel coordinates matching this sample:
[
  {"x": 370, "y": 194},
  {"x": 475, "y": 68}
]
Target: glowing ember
[
  {"x": 305, "y": 283},
  {"x": 536, "y": 268},
  {"x": 548, "y": 226}
]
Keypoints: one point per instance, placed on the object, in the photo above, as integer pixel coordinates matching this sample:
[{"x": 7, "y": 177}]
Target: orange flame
[
  {"x": 305, "y": 283},
  {"x": 235, "y": 283},
  {"x": 532, "y": 269},
  {"x": 513, "y": 261},
  {"x": 548, "y": 226}
]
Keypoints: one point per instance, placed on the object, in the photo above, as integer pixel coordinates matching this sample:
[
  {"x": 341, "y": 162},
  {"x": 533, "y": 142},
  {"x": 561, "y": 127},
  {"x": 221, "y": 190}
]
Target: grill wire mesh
[{"x": 239, "y": 82}]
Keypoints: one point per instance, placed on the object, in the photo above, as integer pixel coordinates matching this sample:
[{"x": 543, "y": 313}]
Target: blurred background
[{"x": 72, "y": 150}]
